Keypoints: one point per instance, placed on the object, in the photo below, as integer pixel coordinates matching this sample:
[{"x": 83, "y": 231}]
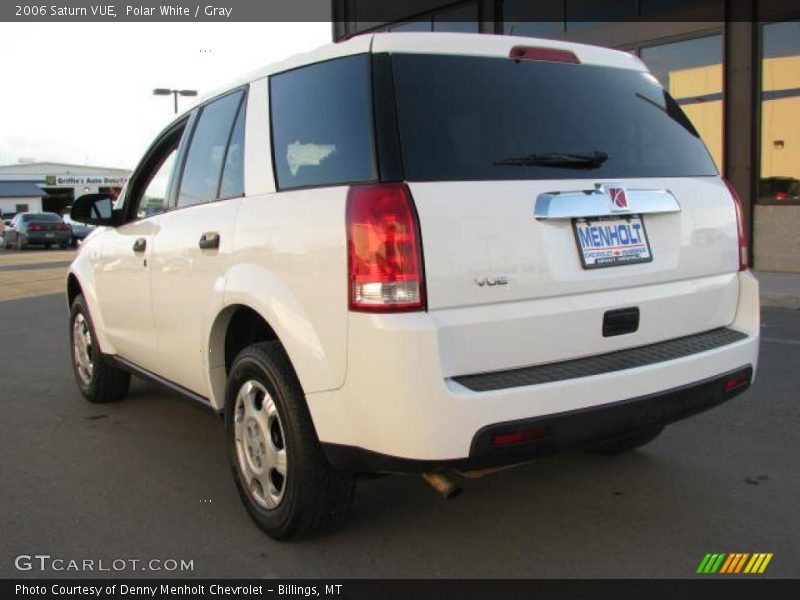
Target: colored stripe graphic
[
  {"x": 754, "y": 563},
  {"x": 715, "y": 562},
  {"x": 703, "y": 563},
  {"x": 730, "y": 566},
  {"x": 764, "y": 564},
  {"x": 727, "y": 564},
  {"x": 741, "y": 562},
  {"x": 735, "y": 562}
]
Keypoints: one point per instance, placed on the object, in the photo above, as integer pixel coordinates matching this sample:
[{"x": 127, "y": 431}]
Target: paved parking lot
[
  {"x": 32, "y": 272},
  {"x": 147, "y": 478}
]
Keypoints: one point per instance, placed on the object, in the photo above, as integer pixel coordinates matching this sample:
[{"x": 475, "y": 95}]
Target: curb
[{"x": 780, "y": 300}]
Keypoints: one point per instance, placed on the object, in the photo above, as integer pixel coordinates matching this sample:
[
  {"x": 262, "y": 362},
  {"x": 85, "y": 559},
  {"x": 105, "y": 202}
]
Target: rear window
[
  {"x": 40, "y": 217},
  {"x": 459, "y": 115},
  {"x": 321, "y": 118}
]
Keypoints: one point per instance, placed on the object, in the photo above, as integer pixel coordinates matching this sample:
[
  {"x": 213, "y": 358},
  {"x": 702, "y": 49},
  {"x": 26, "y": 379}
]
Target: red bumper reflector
[
  {"x": 736, "y": 382},
  {"x": 546, "y": 54},
  {"x": 517, "y": 437}
]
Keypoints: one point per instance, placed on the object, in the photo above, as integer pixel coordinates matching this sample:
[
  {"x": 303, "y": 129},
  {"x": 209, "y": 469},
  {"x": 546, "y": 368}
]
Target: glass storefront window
[
  {"x": 533, "y": 19},
  {"x": 421, "y": 25},
  {"x": 779, "y": 181},
  {"x": 692, "y": 73},
  {"x": 462, "y": 19},
  {"x": 587, "y": 13}
]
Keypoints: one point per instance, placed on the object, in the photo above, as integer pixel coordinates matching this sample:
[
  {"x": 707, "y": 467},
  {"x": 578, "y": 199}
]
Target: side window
[
  {"x": 203, "y": 167},
  {"x": 232, "y": 183},
  {"x": 154, "y": 197},
  {"x": 322, "y": 123},
  {"x": 149, "y": 190}
]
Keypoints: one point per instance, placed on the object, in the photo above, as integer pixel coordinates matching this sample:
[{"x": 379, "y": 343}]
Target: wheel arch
[
  {"x": 242, "y": 324},
  {"x": 80, "y": 280}
]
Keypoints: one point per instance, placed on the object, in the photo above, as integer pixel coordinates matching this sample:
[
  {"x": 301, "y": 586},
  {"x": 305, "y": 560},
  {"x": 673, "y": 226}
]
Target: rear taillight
[
  {"x": 740, "y": 224},
  {"x": 781, "y": 196},
  {"x": 34, "y": 227},
  {"x": 384, "y": 253}
]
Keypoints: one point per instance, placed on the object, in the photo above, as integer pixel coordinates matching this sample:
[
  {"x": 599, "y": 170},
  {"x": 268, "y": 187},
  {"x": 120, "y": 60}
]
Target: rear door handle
[
  {"x": 139, "y": 245},
  {"x": 209, "y": 240}
]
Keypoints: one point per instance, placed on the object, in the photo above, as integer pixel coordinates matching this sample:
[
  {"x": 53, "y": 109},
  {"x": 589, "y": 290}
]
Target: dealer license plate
[{"x": 611, "y": 241}]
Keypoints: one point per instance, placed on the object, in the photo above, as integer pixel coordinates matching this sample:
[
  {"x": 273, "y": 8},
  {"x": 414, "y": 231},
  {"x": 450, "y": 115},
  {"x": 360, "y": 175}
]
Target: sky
[{"x": 81, "y": 93}]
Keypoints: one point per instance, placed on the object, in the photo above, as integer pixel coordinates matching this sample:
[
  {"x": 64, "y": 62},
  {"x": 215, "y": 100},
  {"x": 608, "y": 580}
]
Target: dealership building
[
  {"x": 52, "y": 187},
  {"x": 733, "y": 66}
]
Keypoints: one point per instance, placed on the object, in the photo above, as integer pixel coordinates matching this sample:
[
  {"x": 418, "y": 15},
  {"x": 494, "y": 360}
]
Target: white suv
[{"x": 420, "y": 253}]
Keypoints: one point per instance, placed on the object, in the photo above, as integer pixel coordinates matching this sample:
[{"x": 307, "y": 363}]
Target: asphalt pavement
[{"x": 147, "y": 478}]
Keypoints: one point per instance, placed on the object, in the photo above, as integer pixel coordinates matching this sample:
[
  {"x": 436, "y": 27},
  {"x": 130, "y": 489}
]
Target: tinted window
[
  {"x": 233, "y": 172},
  {"x": 41, "y": 217},
  {"x": 692, "y": 73},
  {"x": 154, "y": 197},
  {"x": 201, "y": 173},
  {"x": 459, "y": 115},
  {"x": 321, "y": 123}
]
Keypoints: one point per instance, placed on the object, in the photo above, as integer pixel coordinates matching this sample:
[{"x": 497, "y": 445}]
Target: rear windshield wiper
[{"x": 576, "y": 160}]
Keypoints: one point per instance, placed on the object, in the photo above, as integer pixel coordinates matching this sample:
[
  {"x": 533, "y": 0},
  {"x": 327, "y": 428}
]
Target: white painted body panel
[
  {"x": 123, "y": 289},
  {"x": 481, "y": 229},
  {"x": 397, "y": 401},
  {"x": 84, "y": 268},
  {"x": 290, "y": 265},
  {"x": 188, "y": 287},
  {"x": 487, "y": 228}
]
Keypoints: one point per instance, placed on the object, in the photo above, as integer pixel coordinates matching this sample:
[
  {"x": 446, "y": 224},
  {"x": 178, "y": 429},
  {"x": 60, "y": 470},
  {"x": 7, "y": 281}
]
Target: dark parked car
[
  {"x": 79, "y": 230},
  {"x": 44, "y": 229},
  {"x": 779, "y": 190}
]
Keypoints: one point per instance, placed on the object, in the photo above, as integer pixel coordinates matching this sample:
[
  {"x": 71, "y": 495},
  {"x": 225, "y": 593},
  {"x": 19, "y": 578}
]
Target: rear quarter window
[{"x": 321, "y": 121}]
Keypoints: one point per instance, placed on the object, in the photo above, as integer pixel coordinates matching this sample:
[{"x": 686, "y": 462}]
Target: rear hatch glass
[{"x": 478, "y": 118}]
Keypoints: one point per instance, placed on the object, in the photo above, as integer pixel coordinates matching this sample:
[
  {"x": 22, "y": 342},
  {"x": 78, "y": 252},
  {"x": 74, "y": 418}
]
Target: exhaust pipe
[{"x": 443, "y": 485}]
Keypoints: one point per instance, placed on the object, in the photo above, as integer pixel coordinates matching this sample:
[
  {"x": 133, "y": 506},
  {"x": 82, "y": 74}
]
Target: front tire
[
  {"x": 97, "y": 380},
  {"x": 282, "y": 476},
  {"x": 626, "y": 443}
]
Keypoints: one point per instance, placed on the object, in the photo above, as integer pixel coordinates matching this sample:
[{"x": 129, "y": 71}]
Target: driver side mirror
[{"x": 95, "y": 209}]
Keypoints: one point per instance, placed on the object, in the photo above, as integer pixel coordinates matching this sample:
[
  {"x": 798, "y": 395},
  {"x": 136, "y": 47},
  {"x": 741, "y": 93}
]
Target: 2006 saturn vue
[{"x": 420, "y": 253}]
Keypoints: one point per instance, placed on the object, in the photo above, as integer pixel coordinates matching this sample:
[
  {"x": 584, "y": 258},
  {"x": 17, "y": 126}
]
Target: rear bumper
[
  {"x": 41, "y": 238},
  {"x": 399, "y": 405},
  {"x": 560, "y": 432}
]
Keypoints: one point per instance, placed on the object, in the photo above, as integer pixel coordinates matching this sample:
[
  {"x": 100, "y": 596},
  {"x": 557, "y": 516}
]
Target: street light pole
[{"x": 174, "y": 93}]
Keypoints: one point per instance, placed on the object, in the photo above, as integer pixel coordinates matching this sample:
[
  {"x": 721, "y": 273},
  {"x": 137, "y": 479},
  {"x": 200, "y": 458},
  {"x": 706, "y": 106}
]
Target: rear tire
[
  {"x": 282, "y": 476},
  {"x": 97, "y": 379},
  {"x": 20, "y": 244},
  {"x": 626, "y": 443}
]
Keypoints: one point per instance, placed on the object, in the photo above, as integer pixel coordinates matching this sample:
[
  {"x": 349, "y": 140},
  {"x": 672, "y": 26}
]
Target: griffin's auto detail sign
[{"x": 84, "y": 180}]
